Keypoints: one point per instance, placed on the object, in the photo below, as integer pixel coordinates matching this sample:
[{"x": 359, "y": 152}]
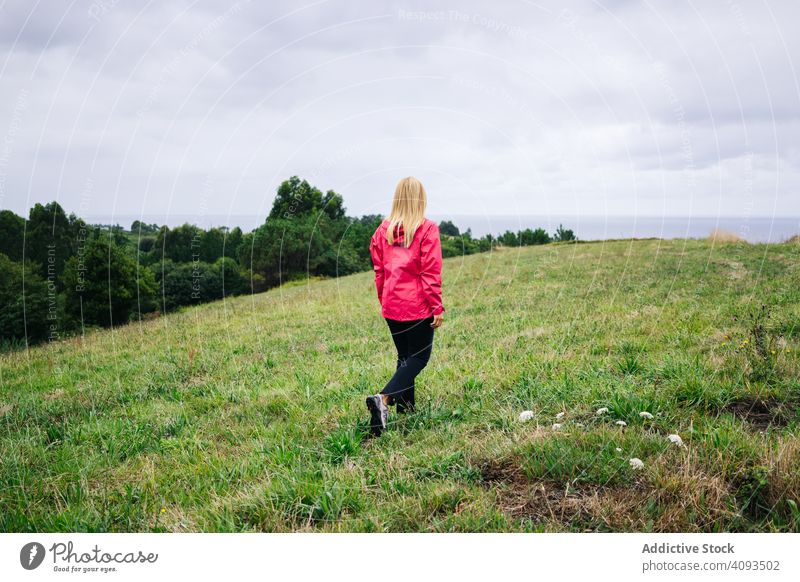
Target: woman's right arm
[{"x": 376, "y": 251}]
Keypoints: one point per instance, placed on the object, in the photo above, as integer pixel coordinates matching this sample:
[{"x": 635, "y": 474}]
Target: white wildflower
[
  {"x": 636, "y": 463},
  {"x": 525, "y": 415},
  {"x": 621, "y": 423},
  {"x": 601, "y": 411},
  {"x": 676, "y": 439},
  {"x": 559, "y": 416},
  {"x": 619, "y": 450},
  {"x": 645, "y": 414},
  {"x": 556, "y": 426}
]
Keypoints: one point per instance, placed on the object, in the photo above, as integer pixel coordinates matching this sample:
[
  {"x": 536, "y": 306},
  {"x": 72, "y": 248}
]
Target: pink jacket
[{"x": 409, "y": 280}]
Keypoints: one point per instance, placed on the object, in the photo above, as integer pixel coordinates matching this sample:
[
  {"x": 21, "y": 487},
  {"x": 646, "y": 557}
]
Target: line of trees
[
  {"x": 59, "y": 275},
  {"x": 456, "y": 243}
]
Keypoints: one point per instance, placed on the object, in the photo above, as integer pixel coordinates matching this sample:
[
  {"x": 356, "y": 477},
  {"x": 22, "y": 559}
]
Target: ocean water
[{"x": 750, "y": 228}]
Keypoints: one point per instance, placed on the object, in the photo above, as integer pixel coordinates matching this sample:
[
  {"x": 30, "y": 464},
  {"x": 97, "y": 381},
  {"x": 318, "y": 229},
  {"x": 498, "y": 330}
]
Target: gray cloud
[{"x": 586, "y": 107}]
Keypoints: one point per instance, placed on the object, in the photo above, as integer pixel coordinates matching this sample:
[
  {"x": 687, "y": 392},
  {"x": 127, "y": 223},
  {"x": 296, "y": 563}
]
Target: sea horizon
[{"x": 754, "y": 228}]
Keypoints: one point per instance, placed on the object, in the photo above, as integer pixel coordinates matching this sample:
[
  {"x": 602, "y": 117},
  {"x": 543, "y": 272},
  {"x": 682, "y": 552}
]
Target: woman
[{"x": 407, "y": 256}]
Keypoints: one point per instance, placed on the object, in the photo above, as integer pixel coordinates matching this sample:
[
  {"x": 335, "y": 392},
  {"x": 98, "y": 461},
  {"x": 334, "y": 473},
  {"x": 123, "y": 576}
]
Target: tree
[
  {"x": 508, "y": 239},
  {"x": 447, "y": 228},
  {"x": 333, "y": 205},
  {"x": 182, "y": 244},
  {"x": 104, "y": 286},
  {"x": 212, "y": 243},
  {"x": 339, "y": 260},
  {"x": 139, "y": 227},
  {"x": 176, "y": 285},
  {"x": 146, "y": 244},
  {"x": 12, "y": 228},
  {"x": 357, "y": 237},
  {"x": 563, "y": 235},
  {"x": 233, "y": 240},
  {"x": 451, "y": 247},
  {"x": 533, "y": 237},
  {"x": 298, "y": 198},
  {"x": 233, "y": 282},
  {"x": 50, "y": 239},
  {"x": 24, "y": 310},
  {"x": 285, "y": 249},
  {"x": 198, "y": 282}
]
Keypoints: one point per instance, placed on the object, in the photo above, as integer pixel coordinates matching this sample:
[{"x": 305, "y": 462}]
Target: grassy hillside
[{"x": 249, "y": 414}]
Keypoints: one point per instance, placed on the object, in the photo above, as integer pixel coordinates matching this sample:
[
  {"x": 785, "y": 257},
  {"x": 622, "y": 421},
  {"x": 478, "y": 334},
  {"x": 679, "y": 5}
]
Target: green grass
[{"x": 248, "y": 414}]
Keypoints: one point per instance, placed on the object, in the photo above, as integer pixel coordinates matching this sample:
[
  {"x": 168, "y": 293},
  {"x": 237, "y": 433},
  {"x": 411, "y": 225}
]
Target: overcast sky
[{"x": 203, "y": 108}]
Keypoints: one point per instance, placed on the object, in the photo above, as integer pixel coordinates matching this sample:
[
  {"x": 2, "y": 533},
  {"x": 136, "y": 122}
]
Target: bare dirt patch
[
  {"x": 681, "y": 497},
  {"x": 588, "y": 508},
  {"x": 762, "y": 413}
]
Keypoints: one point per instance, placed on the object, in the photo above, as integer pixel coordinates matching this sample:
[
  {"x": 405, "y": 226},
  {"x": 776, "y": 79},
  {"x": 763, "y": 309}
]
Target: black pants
[{"x": 414, "y": 342}]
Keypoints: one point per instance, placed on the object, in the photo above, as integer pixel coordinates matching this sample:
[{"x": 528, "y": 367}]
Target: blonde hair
[{"x": 408, "y": 209}]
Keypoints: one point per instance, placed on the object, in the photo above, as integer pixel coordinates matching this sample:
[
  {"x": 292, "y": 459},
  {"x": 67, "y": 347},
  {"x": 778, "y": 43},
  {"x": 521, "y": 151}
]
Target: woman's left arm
[{"x": 431, "y": 269}]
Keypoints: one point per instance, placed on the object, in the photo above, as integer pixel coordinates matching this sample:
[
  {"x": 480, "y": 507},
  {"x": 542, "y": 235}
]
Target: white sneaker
[{"x": 379, "y": 414}]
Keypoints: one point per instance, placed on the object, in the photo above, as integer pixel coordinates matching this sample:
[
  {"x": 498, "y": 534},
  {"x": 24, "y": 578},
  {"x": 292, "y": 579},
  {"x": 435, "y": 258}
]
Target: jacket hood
[{"x": 399, "y": 231}]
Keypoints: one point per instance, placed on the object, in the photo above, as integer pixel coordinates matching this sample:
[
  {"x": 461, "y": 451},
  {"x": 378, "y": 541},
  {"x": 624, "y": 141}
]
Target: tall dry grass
[{"x": 719, "y": 235}]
